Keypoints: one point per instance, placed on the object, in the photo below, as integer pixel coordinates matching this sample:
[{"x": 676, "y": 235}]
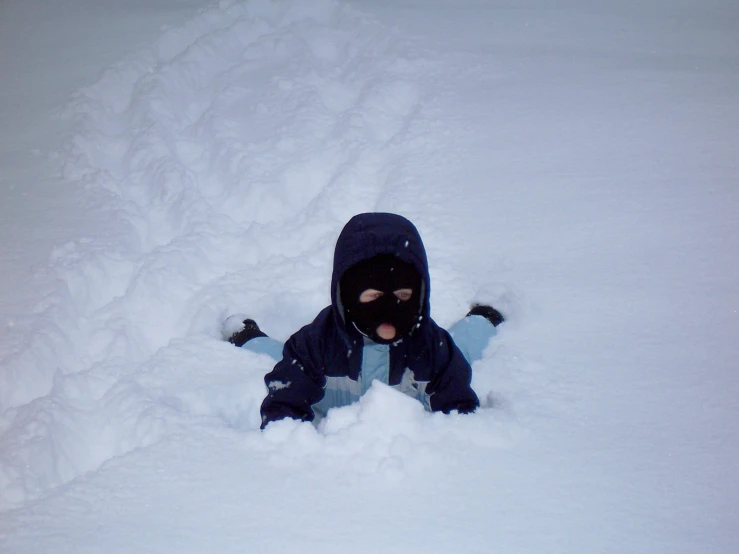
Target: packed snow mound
[
  {"x": 387, "y": 431},
  {"x": 224, "y": 159}
]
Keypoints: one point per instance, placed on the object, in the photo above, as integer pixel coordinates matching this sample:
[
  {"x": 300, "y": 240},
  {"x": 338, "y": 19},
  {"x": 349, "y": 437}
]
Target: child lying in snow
[{"x": 377, "y": 327}]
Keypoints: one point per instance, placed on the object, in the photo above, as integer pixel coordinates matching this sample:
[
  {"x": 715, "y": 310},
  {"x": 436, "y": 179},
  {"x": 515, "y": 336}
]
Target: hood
[{"x": 369, "y": 234}]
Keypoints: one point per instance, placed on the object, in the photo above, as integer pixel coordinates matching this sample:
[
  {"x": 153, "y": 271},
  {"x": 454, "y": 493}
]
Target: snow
[{"x": 166, "y": 165}]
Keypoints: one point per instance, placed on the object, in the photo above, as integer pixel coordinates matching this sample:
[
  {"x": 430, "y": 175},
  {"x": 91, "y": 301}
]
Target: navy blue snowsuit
[{"x": 328, "y": 364}]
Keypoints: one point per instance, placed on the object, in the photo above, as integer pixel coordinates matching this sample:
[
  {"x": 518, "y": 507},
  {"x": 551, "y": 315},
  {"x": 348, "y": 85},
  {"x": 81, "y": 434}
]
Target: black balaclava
[{"x": 384, "y": 273}]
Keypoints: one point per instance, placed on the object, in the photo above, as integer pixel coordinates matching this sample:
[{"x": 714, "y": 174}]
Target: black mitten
[
  {"x": 250, "y": 331},
  {"x": 488, "y": 312}
]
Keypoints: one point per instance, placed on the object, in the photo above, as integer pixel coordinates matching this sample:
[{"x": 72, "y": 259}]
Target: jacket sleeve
[
  {"x": 450, "y": 388},
  {"x": 296, "y": 382}
]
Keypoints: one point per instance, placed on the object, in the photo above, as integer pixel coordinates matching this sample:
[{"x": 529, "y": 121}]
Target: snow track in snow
[{"x": 224, "y": 160}]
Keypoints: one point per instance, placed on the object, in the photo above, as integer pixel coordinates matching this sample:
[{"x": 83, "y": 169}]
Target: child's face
[
  {"x": 385, "y": 331},
  {"x": 381, "y": 297}
]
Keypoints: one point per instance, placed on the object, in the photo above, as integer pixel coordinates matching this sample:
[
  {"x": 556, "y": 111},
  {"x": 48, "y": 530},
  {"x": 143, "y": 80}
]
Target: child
[{"x": 377, "y": 327}]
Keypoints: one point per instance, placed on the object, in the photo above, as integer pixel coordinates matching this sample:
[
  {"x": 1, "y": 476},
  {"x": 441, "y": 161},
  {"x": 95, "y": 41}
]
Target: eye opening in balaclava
[{"x": 387, "y": 274}]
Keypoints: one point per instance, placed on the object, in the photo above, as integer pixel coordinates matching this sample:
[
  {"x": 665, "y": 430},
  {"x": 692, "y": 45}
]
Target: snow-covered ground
[{"x": 166, "y": 164}]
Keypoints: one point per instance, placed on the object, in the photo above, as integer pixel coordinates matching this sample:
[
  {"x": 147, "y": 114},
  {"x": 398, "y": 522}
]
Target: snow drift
[
  {"x": 572, "y": 164},
  {"x": 225, "y": 159}
]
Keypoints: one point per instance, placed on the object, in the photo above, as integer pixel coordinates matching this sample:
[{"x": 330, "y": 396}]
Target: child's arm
[
  {"x": 450, "y": 387},
  {"x": 295, "y": 383}
]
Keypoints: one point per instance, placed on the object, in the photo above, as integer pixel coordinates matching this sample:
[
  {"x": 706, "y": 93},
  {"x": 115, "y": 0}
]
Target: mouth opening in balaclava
[{"x": 386, "y": 274}]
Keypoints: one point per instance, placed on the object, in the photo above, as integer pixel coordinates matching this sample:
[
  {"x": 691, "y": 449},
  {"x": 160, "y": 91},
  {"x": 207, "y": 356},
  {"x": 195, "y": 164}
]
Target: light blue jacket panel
[
  {"x": 471, "y": 335},
  {"x": 342, "y": 391}
]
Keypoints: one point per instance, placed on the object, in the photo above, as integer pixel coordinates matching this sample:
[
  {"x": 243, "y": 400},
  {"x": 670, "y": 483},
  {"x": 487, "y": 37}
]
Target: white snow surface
[{"x": 574, "y": 163}]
